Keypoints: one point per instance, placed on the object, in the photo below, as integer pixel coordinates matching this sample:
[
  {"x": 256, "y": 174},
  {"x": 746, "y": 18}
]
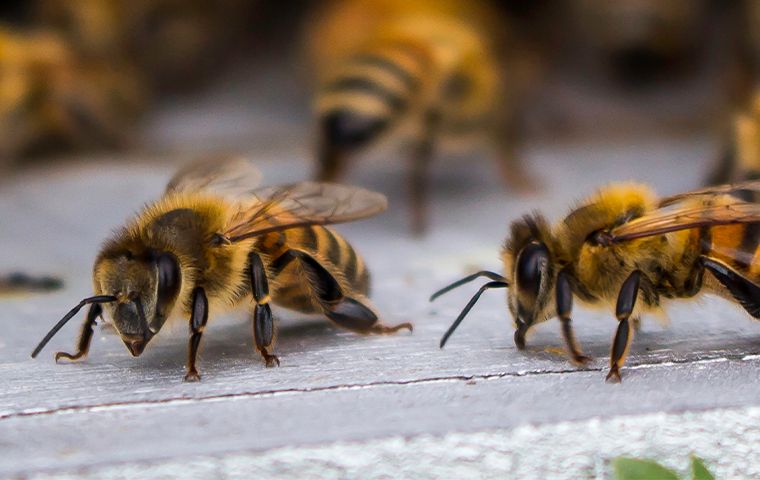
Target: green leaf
[
  {"x": 635, "y": 469},
  {"x": 698, "y": 470}
]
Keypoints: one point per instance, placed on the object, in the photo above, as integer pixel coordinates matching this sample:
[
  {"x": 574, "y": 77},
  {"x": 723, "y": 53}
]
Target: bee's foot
[
  {"x": 614, "y": 375},
  {"x": 68, "y": 356},
  {"x": 193, "y": 376},
  {"x": 271, "y": 360},
  {"x": 581, "y": 360},
  {"x": 384, "y": 329}
]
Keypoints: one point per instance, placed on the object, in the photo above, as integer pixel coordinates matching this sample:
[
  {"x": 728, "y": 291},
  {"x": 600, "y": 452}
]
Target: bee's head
[
  {"x": 529, "y": 277},
  {"x": 145, "y": 288},
  {"x": 528, "y": 265},
  {"x": 343, "y": 132}
]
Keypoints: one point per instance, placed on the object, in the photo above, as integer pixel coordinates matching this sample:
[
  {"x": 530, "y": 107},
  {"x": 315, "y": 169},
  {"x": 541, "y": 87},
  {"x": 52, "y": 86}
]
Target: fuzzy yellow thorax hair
[{"x": 608, "y": 207}]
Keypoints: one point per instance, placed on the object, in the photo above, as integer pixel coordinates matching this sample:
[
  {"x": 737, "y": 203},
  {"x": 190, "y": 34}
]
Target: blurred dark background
[{"x": 179, "y": 76}]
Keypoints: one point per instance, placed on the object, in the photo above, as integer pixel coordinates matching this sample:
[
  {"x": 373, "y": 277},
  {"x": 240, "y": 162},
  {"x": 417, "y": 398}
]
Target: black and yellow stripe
[
  {"x": 333, "y": 252},
  {"x": 373, "y": 89},
  {"x": 736, "y": 245}
]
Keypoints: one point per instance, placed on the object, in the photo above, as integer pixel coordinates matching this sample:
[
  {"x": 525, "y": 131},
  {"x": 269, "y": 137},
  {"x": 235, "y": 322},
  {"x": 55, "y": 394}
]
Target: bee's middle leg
[
  {"x": 626, "y": 301},
  {"x": 263, "y": 320}
]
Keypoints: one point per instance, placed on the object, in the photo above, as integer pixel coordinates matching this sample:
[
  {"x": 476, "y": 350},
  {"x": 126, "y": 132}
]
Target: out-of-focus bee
[
  {"x": 624, "y": 247},
  {"x": 173, "y": 43},
  {"x": 748, "y": 47},
  {"x": 639, "y": 40},
  {"x": 424, "y": 73},
  {"x": 20, "y": 282},
  {"x": 48, "y": 97},
  {"x": 740, "y": 159},
  {"x": 211, "y": 242}
]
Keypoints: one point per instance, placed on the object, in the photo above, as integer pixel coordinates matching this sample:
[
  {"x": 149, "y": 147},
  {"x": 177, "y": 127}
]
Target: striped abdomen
[
  {"x": 736, "y": 245},
  {"x": 378, "y": 85},
  {"x": 366, "y": 97},
  {"x": 289, "y": 287}
]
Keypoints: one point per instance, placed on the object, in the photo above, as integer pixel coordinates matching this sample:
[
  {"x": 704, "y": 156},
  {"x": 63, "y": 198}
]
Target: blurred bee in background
[
  {"x": 211, "y": 242},
  {"x": 740, "y": 159},
  {"x": 747, "y": 45},
  {"x": 423, "y": 73},
  {"x": 624, "y": 247},
  {"x": 19, "y": 282},
  {"x": 50, "y": 98},
  {"x": 78, "y": 74},
  {"x": 172, "y": 43},
  {"x": 639, "y": 40}
]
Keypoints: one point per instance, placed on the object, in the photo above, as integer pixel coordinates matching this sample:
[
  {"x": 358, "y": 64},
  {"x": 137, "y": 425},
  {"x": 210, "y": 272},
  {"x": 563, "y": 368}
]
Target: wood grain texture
[{"x": 112, "y": 411}]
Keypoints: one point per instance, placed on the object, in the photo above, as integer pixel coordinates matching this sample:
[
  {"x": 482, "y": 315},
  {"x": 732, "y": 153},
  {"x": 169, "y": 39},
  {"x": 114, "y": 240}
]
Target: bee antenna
[
  {"x": 69, "y": 316},
  {"x": 467, "y": 279},
  {"x": 468, "y": 307}
]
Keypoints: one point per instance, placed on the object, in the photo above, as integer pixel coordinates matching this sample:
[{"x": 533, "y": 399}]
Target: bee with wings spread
[
  {"x": 212, "y": 241},
  {"x": 623, "y": 247}
]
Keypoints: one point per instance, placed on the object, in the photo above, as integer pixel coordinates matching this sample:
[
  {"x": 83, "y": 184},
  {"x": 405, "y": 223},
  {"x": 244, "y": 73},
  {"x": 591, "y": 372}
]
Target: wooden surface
[{"x": 346, "y": 406}]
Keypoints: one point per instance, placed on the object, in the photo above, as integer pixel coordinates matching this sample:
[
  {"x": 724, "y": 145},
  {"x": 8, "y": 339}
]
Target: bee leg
[
  {"x": 513, "y": 172},
  {"x": 348, "y": 312},
  {"x": 198, "y": 319},
  {"x": 418, "y": 178},
  {"x": 263, "y": 320},
  {"x": 743, "y": 290},
  {"x": 625, "y": 303},
  {"x": 564, "y": 310},
  {"x": 85, "y": 337}
]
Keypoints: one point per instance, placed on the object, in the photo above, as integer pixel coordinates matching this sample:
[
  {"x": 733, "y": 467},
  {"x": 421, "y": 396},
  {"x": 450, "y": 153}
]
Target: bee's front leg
[
  {"x": 625, "y": 303},
  {"x": 564, "y": 311},
  {"x": 263, "y": 320},
  {"x": 85, "y": 337},
  {"x": 198, "y": 320}
]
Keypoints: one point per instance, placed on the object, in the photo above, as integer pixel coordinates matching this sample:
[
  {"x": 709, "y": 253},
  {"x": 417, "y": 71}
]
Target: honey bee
[
  {"x": 641, "y": 40},
  {"x": 740, "y": 159},
  {"x": 423, "y": 74},
  {"x": 211, "y": 242},
  {"x": 172, "y": 43},
  {"x": 20, "y": 282},
  {"x": 51, "y": 98},
  {"x": 624, "y": 247}
]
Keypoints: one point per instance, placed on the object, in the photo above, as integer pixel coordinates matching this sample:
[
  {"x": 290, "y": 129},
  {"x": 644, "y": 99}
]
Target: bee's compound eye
[{"x": 531, "y": 264}]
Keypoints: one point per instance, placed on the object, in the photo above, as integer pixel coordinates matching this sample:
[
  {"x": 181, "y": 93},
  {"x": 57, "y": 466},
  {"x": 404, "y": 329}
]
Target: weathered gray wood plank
[
  {"x": 333, "y": 385},
  {"x": 184, "y": 429}
]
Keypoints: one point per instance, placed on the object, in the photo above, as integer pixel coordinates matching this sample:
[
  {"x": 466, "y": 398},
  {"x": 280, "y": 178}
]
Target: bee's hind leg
[
  {"x": 263, "y": 320},
  {"x": 350, "y": 312},
  {"x": 744, "y": 291}
]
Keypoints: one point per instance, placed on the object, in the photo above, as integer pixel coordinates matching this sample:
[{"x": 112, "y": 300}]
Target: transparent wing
[
  {"x": 744, "y": 191},
  {"x": 231, "y": 177},
  {"x": 306, "y": 203},
  {"x": 673, "y": 219}
]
